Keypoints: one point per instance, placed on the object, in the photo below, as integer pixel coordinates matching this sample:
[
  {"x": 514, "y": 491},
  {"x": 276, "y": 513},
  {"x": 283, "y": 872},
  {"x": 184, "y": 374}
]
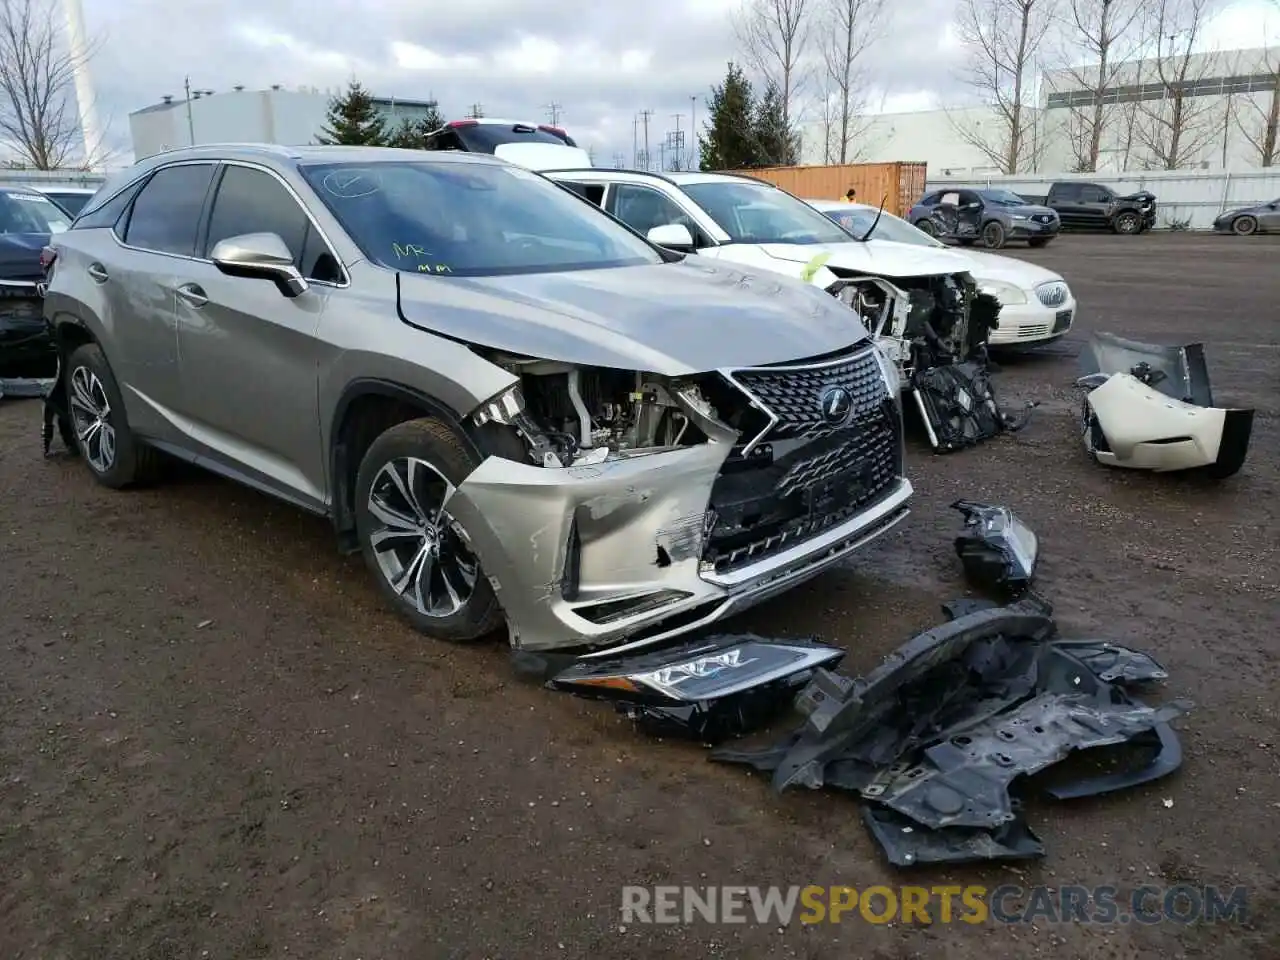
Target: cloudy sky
[{"x": 602, "y": 63}]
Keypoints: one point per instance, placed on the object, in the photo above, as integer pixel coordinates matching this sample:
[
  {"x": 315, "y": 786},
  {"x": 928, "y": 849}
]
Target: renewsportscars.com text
[{"x": 780, "y": 906}]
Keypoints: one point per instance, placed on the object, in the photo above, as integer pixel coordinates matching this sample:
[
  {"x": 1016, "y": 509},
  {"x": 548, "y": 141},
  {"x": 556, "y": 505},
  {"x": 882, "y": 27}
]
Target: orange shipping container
[{"x": 899, "y": 184}]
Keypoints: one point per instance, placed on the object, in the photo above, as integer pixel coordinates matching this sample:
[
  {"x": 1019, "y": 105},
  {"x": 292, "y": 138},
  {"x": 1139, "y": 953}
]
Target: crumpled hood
[
  {"x": 992, "y": 266},
  {"x": 671, "y": 319},
  {"x": 882, "y": 258}
]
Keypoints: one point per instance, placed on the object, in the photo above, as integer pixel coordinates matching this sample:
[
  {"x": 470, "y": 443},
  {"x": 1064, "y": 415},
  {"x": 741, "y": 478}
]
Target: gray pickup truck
[{"x": 1093, "y": 206}]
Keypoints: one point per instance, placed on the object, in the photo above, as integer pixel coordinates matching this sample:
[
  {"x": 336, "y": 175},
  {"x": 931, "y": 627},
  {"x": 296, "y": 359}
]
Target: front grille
[
  {"x": 793, "y": 396},
  {"x": 757, "y": 513},
  {"x": 1052, "y": 294},
  {"x": 1029, "y": 330},
  {"x": 803, "y": 474},
  {"x": 1043, "y": 217}
]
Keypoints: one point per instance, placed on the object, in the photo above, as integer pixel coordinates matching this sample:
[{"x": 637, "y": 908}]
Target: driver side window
[
  {"x": 643, "y": 208},
  {"x": 251, "y": 201}
]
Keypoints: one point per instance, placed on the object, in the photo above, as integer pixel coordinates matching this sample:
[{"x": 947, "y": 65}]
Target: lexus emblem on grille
[{"x": 836, "y": 404}]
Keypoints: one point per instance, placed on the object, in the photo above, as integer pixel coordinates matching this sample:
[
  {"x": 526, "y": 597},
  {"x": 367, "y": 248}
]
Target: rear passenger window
[
  {"x": 107, "y": 215},
  {"x": 251, "y": 201},
  {"x": 167, "y": 212}
]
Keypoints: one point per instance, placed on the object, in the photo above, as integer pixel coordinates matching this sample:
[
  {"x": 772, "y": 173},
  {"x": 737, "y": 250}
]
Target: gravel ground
[{"x": 217, "y": 744}]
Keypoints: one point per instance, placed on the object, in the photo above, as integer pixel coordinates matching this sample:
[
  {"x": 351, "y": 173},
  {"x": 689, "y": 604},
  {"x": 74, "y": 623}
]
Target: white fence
[{"x": 1192, "y": 197}]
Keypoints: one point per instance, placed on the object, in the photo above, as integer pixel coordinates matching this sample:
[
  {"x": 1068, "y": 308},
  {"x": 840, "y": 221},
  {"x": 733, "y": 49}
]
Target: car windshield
[
  {"x": 759, "y": 213},
  {"x": 1003, "y": 197},
  {"x": 31, "y": 213},
  {"x": 471, "y": 219},
  {"x": 858, "y": 220}
]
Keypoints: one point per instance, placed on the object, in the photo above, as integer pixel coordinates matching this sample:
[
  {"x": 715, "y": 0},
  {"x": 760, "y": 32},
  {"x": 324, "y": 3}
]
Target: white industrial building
[
  {"x": 1231, "y": 93},
  {"x": 290, "y": 117}
]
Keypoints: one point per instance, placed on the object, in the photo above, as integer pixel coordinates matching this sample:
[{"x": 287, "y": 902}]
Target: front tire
[
  {"x": 993, "y": 235},
  {"x": 1244, "y": 226},
  {"x": 419, "y": 555},
  {"x": 1128, "y": 223},
  {"x": 95, "y": 408}
]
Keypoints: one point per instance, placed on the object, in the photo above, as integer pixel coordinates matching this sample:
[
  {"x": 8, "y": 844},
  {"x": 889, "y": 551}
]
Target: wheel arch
[{"x": 366, "y": 407}]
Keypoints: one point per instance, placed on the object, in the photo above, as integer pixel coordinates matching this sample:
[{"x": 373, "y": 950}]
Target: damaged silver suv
[{"x": 519, "y": 410}]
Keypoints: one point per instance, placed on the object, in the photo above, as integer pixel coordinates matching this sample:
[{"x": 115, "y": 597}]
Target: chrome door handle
[
  {"x": 98, "y": 272},
  {"x": 192, "y": 294}
]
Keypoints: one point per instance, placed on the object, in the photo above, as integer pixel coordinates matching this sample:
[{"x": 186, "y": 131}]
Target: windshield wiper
[{"x": 876, "y": 222}]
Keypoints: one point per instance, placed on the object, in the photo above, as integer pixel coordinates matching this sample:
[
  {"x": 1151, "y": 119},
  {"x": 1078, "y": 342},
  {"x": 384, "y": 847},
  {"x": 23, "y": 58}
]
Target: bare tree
[
  {"x": 38, "y": 114},
  {"x": 1105, "y": 33},
  {"x": 1003, "y": 38},
  {"x": 1176, "y": 128},
  {"x": 1259, "y": 122},
  {"x": 774, "y": 35},
  {"x": 849, "y": 28}
]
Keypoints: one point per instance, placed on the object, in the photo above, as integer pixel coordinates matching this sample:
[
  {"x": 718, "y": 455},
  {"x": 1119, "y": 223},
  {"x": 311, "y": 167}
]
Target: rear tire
[
  {"x": 95, "y": 412},
  {"x": 420, "y": 557},
  {"x": 1244, "y": 226},
  {"x": 926, "y": 226}
]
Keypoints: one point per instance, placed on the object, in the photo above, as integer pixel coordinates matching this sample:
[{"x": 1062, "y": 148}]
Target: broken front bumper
[
  {"x": 1151, "y": 407},
  {"x": 610, "y": 555}
]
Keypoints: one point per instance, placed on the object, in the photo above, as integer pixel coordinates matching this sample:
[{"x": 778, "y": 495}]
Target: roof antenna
[{"x": 876, "y": 222}]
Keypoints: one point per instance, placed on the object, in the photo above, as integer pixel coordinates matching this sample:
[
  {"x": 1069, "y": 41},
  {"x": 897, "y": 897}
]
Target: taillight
[
  {"x": 47, "y": 256},
  {"x": 462, "y": 123}
]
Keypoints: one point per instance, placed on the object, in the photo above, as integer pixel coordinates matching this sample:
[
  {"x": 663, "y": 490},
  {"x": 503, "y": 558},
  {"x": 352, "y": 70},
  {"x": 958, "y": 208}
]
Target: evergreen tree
[
  {"x": 413, "y": 133},
  {"x": 730, "y": 142},
  {"x": 354, "y": 120},
  {"x": 777, "y": 145}
]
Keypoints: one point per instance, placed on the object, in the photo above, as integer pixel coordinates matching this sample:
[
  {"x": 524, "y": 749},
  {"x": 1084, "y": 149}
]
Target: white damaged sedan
[{"x": 1036, "y": 305}]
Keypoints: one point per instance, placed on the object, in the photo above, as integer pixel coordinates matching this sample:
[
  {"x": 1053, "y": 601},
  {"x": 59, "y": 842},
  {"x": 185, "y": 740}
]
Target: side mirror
[
  {"x": 260, "y": 256},
  {"x": 673, "y": 236}
]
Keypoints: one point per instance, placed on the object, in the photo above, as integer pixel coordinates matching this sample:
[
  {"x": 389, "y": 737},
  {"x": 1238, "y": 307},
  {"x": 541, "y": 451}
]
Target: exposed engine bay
[
  {"x": 936, "y": 330},
  {"x": 922, "y": 322},
  {"x": 807, "y": 445}
]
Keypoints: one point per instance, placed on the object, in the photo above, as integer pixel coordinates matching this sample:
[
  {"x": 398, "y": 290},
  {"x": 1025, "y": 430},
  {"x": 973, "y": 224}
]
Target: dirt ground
[{"x": 217, "y": 744}]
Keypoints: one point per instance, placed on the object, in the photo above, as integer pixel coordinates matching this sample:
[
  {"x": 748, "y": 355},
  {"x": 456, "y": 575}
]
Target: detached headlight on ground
[{"x": 1006, "y": 293}]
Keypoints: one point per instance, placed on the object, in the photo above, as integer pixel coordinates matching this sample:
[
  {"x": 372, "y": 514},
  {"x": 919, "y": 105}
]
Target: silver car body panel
[{"x": 250, "y": 383}]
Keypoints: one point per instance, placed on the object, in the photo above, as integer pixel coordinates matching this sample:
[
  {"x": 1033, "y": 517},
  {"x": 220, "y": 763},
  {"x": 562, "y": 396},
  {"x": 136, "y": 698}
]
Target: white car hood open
[
  {"x": 992, "y": 266},
  {"x": 542, "y": 156},
  {"x": 879, "y": 258}
]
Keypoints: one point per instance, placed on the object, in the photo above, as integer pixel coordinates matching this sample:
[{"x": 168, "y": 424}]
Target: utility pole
[
  {"x": 693, "y": 129},
  {"x": 678, "y": 139},
  {"x": 645, "y": 115},
  {"x": 553, "y": 111},
  {"x": 635, "y": 142},
  {"x": 477, "y": 111},
  {"x": 191, "y": 124},
  {"x": 662, "y": 156}
]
